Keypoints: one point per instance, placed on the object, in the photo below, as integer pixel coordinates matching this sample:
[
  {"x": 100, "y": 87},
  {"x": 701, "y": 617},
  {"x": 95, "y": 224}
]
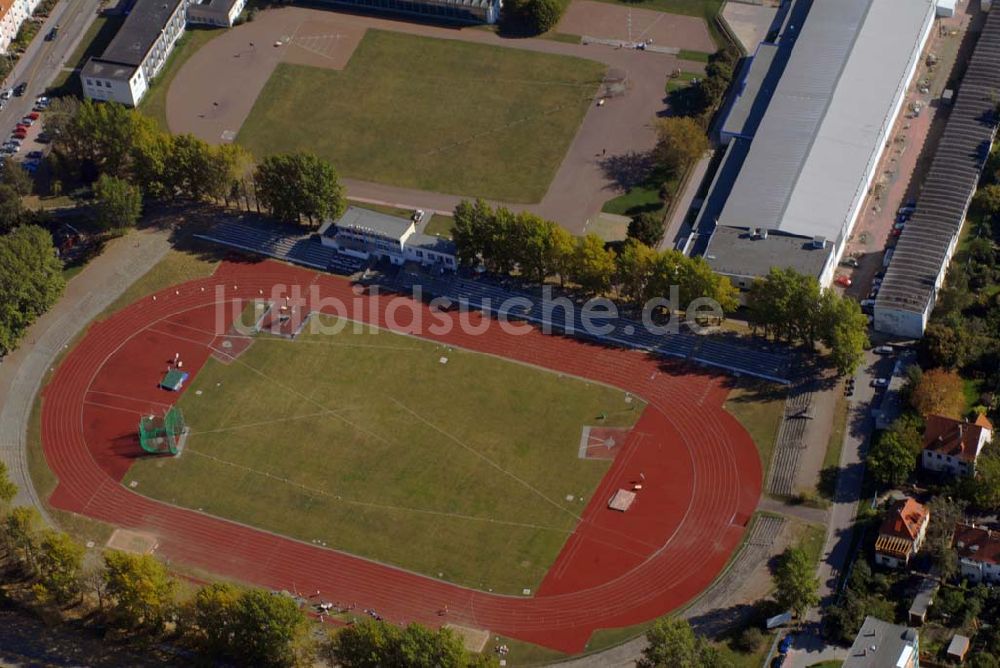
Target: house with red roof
[
  {"x": 902, "y": 533},
  {"x": 978, "y": 553},
  {"x": 953, "y": 446}
]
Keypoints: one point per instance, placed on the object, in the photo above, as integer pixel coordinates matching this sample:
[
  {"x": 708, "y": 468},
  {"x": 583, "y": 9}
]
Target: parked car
[
  {"x": 35, "y": 155},
  {"x": 43, "y": 138},
  {"x": 33, "y": 116},
  {"x": 850, "y": 262},
  {"x": 778, "y": 661},
  {"x": 52, "y": 34},
  {"x": 880, "y": 382},
  {"x": 6, "y": 95},
  {"x": 843, "y": 281},
  {"x": 882, "y": 350},
  {"x": 785, "y": 644},
  {"x": 907, "y": 209},
  {"x": 867, "y": 303},
  {"x": 20, "y": 88}
]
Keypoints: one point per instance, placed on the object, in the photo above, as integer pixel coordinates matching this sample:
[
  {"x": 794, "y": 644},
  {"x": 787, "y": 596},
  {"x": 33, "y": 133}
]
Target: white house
[
  {"x": 13, "y": 13},
  {"x": 222, "y": 13},
  {"x": 902, "y": 533},
  {"x": 137, "y": 52},
  {"x": 953, "y": 446},
  {"x": 978, "y": 553},
  {"x": 368, "y": 234}
]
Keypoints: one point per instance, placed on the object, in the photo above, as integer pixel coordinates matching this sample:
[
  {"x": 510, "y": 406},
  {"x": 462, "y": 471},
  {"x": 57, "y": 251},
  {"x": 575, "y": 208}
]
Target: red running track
[{"x": 703, "y": 474}]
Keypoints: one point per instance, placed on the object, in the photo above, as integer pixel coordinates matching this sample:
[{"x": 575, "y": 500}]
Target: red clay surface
[{"x": 702, "y": 473}]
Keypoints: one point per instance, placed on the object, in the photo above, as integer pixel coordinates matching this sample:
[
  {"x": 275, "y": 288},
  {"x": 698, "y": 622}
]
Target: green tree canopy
[
  {"x": 141, "y": 591},
  {"x": 8, "y": 490},
  {"x": 60, "y": 565},
  {"x": 375, "y": 644},
  {"x": 21, "y": 533},
  {"x": 593, "y": 265},
  {"x": 647, "y": 228},
  {"x": 672, "y": 643},
  {"x": 17, "y": 178},
  {"x": 117, "y": 203},
  {"x": 11, "y": 208},
  {"x": 293, "y": 186},
  {"x": 796, "y": 583},
  {"x": 893, "y": 455},
  {"x": 680, "y": 141},
  {"x": 30, "y": 281}
]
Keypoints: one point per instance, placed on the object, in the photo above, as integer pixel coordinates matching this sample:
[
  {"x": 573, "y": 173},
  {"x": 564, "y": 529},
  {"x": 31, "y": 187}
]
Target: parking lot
[{"x": 27, "y": 142}]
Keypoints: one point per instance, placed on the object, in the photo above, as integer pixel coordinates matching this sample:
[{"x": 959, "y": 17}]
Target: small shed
[
  {"x": 958, "y": 648},
  {"x": 923, "y": 600}
]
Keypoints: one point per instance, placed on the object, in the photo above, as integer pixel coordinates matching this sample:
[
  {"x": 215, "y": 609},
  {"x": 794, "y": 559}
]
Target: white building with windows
[
  {"x": 144, "y": 42},
  {"x": 953, "y": 446},
  {"x": 13, "y": 13},
  {"x": 367, "y": 234},
  {"x": 978, "y": 553}
]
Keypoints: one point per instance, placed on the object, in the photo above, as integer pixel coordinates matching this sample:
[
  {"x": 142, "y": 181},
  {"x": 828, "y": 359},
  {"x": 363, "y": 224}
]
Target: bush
[
  {"x": 749, "y": 640},
  {"x": 532, "y": 17}
]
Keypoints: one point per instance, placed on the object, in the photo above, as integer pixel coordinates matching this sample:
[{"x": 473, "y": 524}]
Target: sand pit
[
  {"x": 606, "y": 21},
  {"x": 135, "y": 542},
  {"x": 215, "y": 90}
]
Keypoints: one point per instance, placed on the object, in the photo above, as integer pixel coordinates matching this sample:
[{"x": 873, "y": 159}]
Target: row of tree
[
  {"x": 536, "y": 249},
  {"x": 792, "y": 307},
  {"x": 31, "y": 281},
  {"x": 136, "y": 595},
  {"x": 131, "y": 158}
]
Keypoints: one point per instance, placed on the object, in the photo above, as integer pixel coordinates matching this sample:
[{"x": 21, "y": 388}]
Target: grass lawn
[
  {"x": 705, "y": 8},
  {"x": 440, "y": 226},
  {"x": 176, "y": 267},
  {"x": 637, "y": 200},
  {"x": 364, "y": 441},
  {"x": 758, "y": 406},
  {"x": 155, "y": 102},
  {"x": 827, "y": 485},
  {"x": 681, "y": 81},
  {"x": 694, "y": 56},
  {"x": 472, "y": 120}
]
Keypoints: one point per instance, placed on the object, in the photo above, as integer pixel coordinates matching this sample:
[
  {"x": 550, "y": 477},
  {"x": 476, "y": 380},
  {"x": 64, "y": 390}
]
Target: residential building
[
  {"x": 367, "y": 234},
  {"x": 221, "y": 13},
  {"x": 953, "y": 446},
  {"x": 902, "y": 533},
  {"x": 978, "y": 553},
  {"x": 13, "y": 13},
  {"x": 136, "y": 53},
  {"x": 792, "y": 185},
  {"x": 883, "y": 645}
]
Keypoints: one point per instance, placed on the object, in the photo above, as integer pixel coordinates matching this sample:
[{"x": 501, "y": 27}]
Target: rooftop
[
  {"x": 957, "y": 438},
  {"x": 139, "y": 31},
  {"x": 901, "y": 527},
  {"x": 367, "y": 221},
  {"x": 920, "y": 254},
  {"x": 760, "y": 79},
  {"x": 431, "y": 243},
  {"x": 106, "y": 70},
  {"x": 882, "y": 645},
  {"x": 806, "y": 169},
  {"x": 977, "y": 543},
  {"x": 738, "y": 252}
]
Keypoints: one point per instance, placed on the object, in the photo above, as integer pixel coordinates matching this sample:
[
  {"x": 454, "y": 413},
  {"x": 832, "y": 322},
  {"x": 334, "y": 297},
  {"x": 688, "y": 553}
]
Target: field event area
[
  {"x": 437, "y": 115},
  {"x": 453, "y": 464}
]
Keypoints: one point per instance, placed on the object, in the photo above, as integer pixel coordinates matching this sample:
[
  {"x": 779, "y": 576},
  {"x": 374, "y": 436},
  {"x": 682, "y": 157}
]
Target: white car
[
  {"x": 882, "y": 350},
  {"x": 880, "y": 382}
]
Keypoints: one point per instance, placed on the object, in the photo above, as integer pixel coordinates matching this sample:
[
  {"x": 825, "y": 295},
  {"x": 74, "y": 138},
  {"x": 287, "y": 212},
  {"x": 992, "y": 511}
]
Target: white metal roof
[{"x": 806, "y": 169}]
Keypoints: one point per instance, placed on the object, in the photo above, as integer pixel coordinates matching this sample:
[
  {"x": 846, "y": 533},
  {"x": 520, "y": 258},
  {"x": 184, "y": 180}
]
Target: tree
[
  {"x": 844, "y": 330},
  {"x": 17, "y": 178},
  {"x": 697, "y": 280},
  {"x": 60, "y": 565},
  {"x": 986, "y": 201},
  {"x": 141, "y": 591},
  {"x": 374, "y": 644},
  {"x": 672, "y": 643},
  {"x": 984, "y": 489},
  {"x": 944, "y": 346},
  {"x": 796, "y": 582},
  {"x": 945, "y": 512},
  {"x": 30, "y": 281},
  {"x": 467, "y": 233},
  {"x": 893, "y": 455},
  {"x": 647, "y": 228},
  {"x": 215, "y": 616},
  {"x": 100, "y": 136},
  {"x": 8, "y": 490},
  {"x": 939, "y": 392},
  {"x": 680, "y": 141},
  {"x": 11, "y": 209},
  {"x": 118, "y": 204},
  {"x": 533, "y": 16},
  {"x": 593, "y": 265},
  {"x": 636, "y": 263},
  {"x": 270, "y": 629},
  {"x": 293, "y": 186},
  {"x": 20, "y": 532}
]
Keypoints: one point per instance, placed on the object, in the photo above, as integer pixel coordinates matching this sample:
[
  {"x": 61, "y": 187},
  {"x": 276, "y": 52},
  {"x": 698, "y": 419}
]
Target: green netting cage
[{"x": 161, "y": 434}]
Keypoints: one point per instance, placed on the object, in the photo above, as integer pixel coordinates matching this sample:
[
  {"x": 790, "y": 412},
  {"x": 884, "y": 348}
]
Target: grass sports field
[
  {"x": 366, "y": 442},
  {"x": 437, "y": 115}
]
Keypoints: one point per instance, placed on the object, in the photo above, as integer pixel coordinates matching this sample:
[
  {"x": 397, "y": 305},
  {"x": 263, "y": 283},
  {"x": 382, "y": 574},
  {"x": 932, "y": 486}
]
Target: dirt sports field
[
  {"x": 607, "y": 21},
  {"x": 702, "y": 471}
]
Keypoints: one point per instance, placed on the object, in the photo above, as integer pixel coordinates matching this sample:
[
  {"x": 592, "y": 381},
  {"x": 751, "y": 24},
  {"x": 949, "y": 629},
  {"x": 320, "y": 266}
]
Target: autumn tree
[
  {"x": 140, "y": 590},
  {"x": 593, "y": 264},
  {"x": 939, "y": 392},
  {"x": 672, "y": 642},
  {"x": 680, "y": 141},
  {"x": 60, "y": 565},
  {"x": 293, "y": 186},
  {"x": 21, "y": 533},
  {"x": 8, "y": 490},
  {"x": 374, "y": 644}
]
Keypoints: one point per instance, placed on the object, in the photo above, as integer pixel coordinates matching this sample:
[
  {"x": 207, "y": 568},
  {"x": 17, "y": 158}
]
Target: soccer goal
[{"x": 163, "y": 434}]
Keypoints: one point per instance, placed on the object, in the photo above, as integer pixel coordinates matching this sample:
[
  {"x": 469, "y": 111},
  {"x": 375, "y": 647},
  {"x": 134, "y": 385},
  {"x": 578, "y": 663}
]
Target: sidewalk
[{"x": 23, "y": 370}]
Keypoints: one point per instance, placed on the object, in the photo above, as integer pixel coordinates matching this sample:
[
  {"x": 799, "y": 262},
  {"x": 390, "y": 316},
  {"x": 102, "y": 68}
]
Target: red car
[
  {"x": 33, "y": 116},
  {"x": 843, "y": 281},
  {"x": 19, "y": 133}
]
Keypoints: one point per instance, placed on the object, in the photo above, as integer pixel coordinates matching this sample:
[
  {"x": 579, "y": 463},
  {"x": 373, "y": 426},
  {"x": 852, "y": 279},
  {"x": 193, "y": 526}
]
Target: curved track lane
[{"x": 703, "y": 478}]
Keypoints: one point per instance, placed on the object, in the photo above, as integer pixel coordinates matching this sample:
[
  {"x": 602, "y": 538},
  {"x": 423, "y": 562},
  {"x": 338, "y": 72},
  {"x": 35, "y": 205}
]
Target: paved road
[
  {"x": 43, "y": 60},
  {"x": 809, "y": 647}
]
